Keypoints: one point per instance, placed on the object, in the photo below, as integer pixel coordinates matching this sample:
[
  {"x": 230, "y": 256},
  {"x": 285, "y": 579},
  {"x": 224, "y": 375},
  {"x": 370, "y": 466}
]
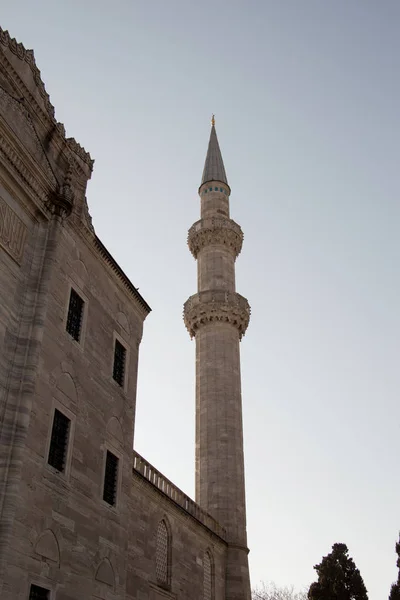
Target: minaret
[{"x": 218, "y": 317}]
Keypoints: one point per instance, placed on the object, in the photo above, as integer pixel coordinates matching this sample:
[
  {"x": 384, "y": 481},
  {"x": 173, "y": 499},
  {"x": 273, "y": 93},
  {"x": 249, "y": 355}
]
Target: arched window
[
  {"x": 163, "y": 554},
  {"x": 208, "y": 576}
]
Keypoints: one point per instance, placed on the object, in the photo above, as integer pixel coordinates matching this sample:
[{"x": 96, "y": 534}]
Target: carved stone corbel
[
  {"x": 216, "y": 305},
  {"x": 215, "y": 230}
]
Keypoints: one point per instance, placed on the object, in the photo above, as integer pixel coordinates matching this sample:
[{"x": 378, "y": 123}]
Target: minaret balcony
[
  {"x": 215, "y": 231},
  {"x": 213, "y": 306}
]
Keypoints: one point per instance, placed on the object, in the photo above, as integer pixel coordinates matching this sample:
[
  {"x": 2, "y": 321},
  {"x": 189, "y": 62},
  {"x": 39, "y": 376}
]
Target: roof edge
[
  {"x": 121, "y": 274},
  {"x": 28, "y": 56},
  {"x": 165, "y": 486}
]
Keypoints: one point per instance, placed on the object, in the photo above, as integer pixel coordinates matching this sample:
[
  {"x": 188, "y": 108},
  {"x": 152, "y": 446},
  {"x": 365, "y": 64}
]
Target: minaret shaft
[
  {"x": 218, "y": 317},
  {"x": 215, "y": 269},
  {"x": 219, "y": 439},
  {"x": 214, "y": 202}
]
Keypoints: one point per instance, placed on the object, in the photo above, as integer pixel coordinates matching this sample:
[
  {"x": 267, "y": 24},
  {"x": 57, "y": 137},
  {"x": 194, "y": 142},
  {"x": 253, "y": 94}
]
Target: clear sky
[{"x": 306, "y": 96}]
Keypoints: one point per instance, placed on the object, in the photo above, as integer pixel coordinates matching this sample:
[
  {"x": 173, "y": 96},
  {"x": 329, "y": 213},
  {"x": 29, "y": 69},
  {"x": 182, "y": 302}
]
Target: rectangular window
[
  {"x": 119, "y": 363},
  {"x": 59, "y": 441},
  {"x": 38, "y": 593},
  {"x": 110, "y": 479},
  {"x": 75, "y": 314}
]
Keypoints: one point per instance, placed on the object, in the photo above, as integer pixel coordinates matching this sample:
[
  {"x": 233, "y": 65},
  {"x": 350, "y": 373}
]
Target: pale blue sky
[{"x": 306, "y": 96}]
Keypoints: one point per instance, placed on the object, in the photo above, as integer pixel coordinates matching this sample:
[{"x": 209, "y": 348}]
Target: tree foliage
[
  {"x": 271, "y": 591},
  {"x": 338, "y": 578},
  {"x": 395, "y": 589}
]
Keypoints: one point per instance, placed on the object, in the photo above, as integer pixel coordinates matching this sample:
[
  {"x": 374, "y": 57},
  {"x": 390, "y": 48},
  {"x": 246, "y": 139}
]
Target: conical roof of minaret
[{"x": 214, "y": 169}]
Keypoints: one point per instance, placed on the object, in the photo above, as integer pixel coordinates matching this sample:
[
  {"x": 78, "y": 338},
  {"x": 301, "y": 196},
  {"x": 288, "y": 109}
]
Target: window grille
[
  {"x": 119, "y": 363},
  {"x": 75, "y": 313},
  {"x": 207, "y": 577},
  {"x": 38, "y": 593},
  {"x": 59, "y": 441},
  {"x": 162, "y": 550},
  {"x": 110, "y": 479}
]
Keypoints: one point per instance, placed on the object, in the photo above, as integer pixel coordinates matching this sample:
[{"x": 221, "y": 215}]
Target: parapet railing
[
  {"x": 217, "y": 297},
  {"x": 140, "y": 465},
  {"x": 215, "y": 223}
]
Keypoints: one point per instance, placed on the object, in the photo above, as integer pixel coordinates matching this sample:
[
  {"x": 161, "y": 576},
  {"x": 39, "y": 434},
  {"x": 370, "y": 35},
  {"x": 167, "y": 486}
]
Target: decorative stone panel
[
  {"x": 216, "y": 305},
  {"x": 215, "y": 230},
  {"x": 105, "y": 573},
  {"x": 12, "y": 232},
  {"x": 47, "y": 546},
  {"x": 20, "y": 122}
]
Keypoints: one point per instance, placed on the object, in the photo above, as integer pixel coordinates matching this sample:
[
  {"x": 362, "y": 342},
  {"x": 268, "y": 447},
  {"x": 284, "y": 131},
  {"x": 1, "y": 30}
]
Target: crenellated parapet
[
  {"x": 213, "y": 306},
  {"x": 34, "y": 93},
  {"x": 215, "y": 231}
]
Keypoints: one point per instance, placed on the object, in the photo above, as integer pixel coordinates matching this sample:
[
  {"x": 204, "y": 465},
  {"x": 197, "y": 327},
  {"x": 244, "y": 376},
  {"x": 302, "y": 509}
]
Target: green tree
[
  {"x": 395, "y": 589},
  {"x": 338, "y": 578}
]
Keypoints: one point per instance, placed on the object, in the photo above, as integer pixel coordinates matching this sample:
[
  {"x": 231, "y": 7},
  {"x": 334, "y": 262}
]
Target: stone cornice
[
  {"x": 215, "y": 231},
  {"x": 27, "y": 56},
  {"x": 46, "y": 111},
  {"x": 33, "y": 175},
  {"x": 100, "y": 252},
  {"x": 75, "y": 147},
  {"x": 169, "y": 490},
  {"x": 153, "y": 492},
  {"x": 216, "y": 305},
  {"x": 97, "y": 243}
]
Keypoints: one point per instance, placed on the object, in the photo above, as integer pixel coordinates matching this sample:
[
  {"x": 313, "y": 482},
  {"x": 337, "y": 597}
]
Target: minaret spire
[
  {"x": 214, "y": 169},
  {"x": 217, "y": 316}
]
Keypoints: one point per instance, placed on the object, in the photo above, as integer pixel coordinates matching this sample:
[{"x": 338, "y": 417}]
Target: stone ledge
[
  {"x": 164, "y": 485},
  {"x": 216, "y": 305},
  {"x": 215, "y": 231}
]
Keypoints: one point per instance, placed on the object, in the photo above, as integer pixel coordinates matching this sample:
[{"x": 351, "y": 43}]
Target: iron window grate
[
  {"x": 207, "y": 577},
  {"x": 110, "y": 479},
  {"x": 38, "y": 593},
  {"x": 162, "y": 553},
  {"x": 119, "y": 363},
  {"x": 75, "y": 313},
  {"x": 59, "y": 441}
]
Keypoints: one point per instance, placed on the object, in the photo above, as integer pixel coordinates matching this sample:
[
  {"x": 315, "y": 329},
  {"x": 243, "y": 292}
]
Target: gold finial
[{"x": 213, "y": 120}]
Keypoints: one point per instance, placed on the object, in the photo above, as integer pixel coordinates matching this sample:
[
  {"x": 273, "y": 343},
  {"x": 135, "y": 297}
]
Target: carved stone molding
[
  {"x": 215, "y": 230},
  {"x": 28, "y": 56},
  {"x": 20, "y": 122},
  {"x": 216, "y": 305},
  {"x": 87, "y": 217},
  {"x": 9, "y": 154},
  {"x": 80, "y": 151}
]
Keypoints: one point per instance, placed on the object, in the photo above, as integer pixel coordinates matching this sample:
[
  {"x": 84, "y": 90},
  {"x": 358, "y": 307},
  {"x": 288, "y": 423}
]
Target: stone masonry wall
[
  {"x": 189, "y": 542},
  {"x": 77, "y": 379}
]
